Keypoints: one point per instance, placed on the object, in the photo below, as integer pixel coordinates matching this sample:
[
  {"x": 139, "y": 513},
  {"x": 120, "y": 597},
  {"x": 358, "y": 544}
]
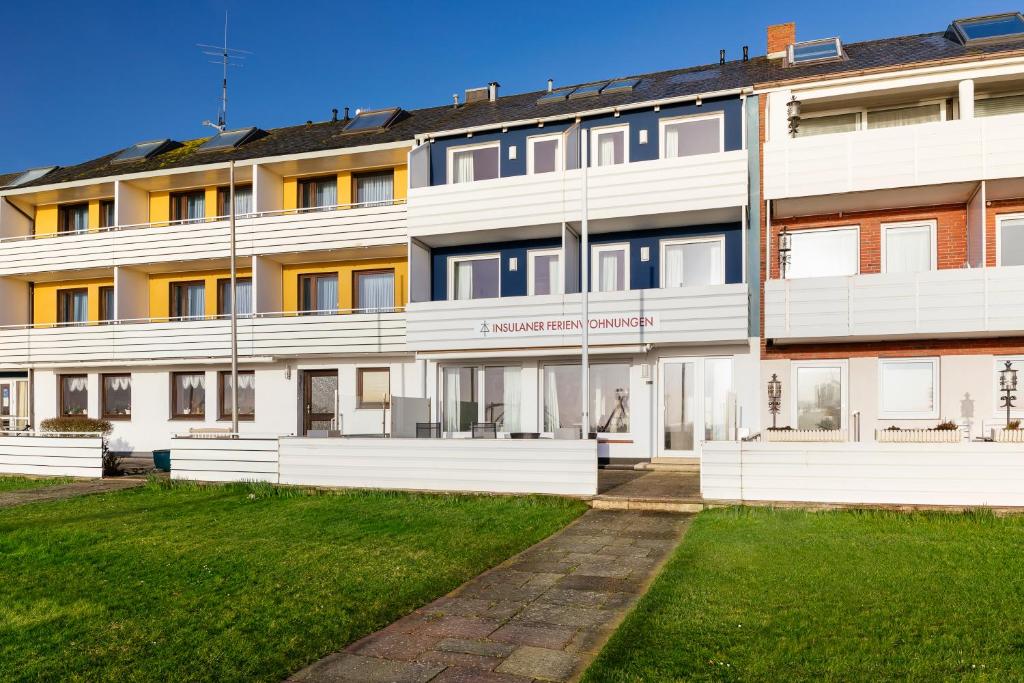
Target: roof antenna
[
  {"x": 721, "y": 56},
  {"x": 229, "y": 56}
]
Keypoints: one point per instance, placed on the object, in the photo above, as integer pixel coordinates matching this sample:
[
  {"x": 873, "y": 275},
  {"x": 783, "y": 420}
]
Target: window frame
[
  {"x": 674, "y": 241},
  {"x": 179, "y": 201},
  {"x": 531, "y": 254},
  {"x": 836, "y": 228},
  {"x": 450, "y": 158},
  {"x": 304, "y": 181},
  {"x": 60, "y": 394},
  {"x": 223, "y": 197},
  {"x": 1000, "y": 219},
  {"x": 356, "y": 274},
  {"x": 371, "y": 405},
  {"x": 62, "y": 296},
  {"x": 222, "y": 376},
  {"x": 62, "y": 218},
  {"x": 836, "y": 112},
  {"x": 628, "y": 436},
  {"x": 862, "y": 114},
  {"x": 844, "y": 389},
  {"x": 225, "y": 283},
  {"x": 933, "y": 414},
  {"x": 479, "y": 392},
  {"x": 791, "y": 52},
  {"x": 930, "y": 223},
  {"x": 195, "y": 417},
  {"x": 596, "y": 249},
  {"x": 317, "y": 310},
  {"x": 455, "y": 259},
  {"x": 172, "y": 311},
  {"x": 356, "y": 175},
  {"x": 107, "y": 316},
  {"x": 103, "y": 223},
  {"x": 559, "y": 155},
  {"x": 994, "y": 96},
  {"x": 595, "y": 133},
  {"x": 664, "y": 123},
  {"x": 103, "y": 396}
]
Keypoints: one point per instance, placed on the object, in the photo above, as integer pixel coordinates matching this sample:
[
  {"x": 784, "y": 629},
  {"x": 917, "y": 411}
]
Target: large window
[
  {"x": 905, "y": 116},
  {"x": 116, "y": 397},
  {"x": 487, "y": 394},
  {"x": 908, "y": 388},
  {"x": 73, "y": 218},
  {"x": 106, "y": 304},
  {"x": 909, "y": 247},
  {"x": 243, "y": 200},
  {"x": 692, "y": 135},
  {"x": 318, "y": 292},
  {"x": 609, "y": 145},
  {"x": 999, "y": 105},
  {"x": 819, "y": 397},
  {"x": 107, "y": 217},
  {"x": 544, "y": 153},
  {"x": 474, "y": 162},
  {"x": 246, "y": 394},
  {"x": 188, "y": 300},
  {"x": 373, "y": 387},
  {"x": 188, "y": 395},
  {"x": 1010, "y": 240},
  {"x": 828, "y": 123},
  {"x": 73, "y": 306},
  {"x": 474, "y": 277},
  {"x": 693, "y": 262},
  {"x": 318, "y": 193},
  {"x": 864, "y": 118},
  {"x": 374, "y": 290},
  {"x": 609, "y": 267},
  {"x": 824, "y": 253},
  {"x": 74, "y": 395},
  {"x": 545, "y": 275},
  {"x": 243, "y": 296},
  {"x": 460, "y": 408},
  {"x": 609, "y": 398},
  {"x": 188, "y": 207},
  {"x": 374, "y": 189}
]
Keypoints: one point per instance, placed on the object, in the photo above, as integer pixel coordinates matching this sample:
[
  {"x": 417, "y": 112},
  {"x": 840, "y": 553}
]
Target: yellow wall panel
[
  {"x": 290, "y": 200},
  {"x": 401, "y": 182},
  {"x": 159, "y": 207},
  {"x": 290, "y": 279},
  {"x": 345, "y": 188},
  {"x": 211, "y": 202},
  {"x": 160, "y": 289},
  {"x": 46, "y": 219},
  {"x": 94, "y": 215},
  {"x": 44, "y": 298}
]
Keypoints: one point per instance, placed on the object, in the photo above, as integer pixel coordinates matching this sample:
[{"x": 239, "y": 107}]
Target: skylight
[
  {"x": 622, "y": 85},
  {"x": 815, "y": 51},
  {"x": 989, "y": 29},
  {"x": 588, "y": 90},
  {"x": 228, "y": 139},
  {"x": 143, "y": 150},
  {"x": 372, "y": 120},
  {"x": 30, "y": 175},
  {"x": 556, "y": 95}
]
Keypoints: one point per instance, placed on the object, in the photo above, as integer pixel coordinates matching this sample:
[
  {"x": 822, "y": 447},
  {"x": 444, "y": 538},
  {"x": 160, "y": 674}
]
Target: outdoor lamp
[
  {"x": 794, "y": 116},
  {"x": 1007, "y": 387},
  {"x": 774, "y": 397},
  {"x": 785, "y": 242}
]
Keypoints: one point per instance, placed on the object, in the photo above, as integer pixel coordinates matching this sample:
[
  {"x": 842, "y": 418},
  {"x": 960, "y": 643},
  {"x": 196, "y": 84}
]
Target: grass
[
  {"x": 21, "y": 483},
  {"x": 239, "y": 582},
  {"x": 773, "y": 595}
]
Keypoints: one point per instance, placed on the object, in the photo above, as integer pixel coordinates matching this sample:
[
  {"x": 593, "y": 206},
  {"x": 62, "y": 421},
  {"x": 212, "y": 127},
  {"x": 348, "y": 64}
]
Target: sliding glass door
[{"x": 697, "y": 403}]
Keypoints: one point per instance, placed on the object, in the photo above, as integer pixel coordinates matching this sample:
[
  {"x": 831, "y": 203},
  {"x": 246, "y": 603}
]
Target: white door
[{"x": 696, "y": 403}]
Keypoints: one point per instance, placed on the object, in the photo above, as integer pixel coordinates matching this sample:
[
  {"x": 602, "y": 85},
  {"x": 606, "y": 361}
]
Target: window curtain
[
  {"x": 512, "y": 397},
  {"x": 80, "y": 219},
  {"x": 108, "y": 214},
  {"x": 108, "y": 302},
  {"x": 452, "y": 394},
  {"x": 606, "y": 149},
  {"x": 377, "y": 292},
  {"x": 674, "y": 265},
  {"x": 463, "y": 167},
  {"x": 196, "y": 301},
  {"x": 904, "y": 116},
  {"x": 608, "y": 277},
  {"x": 1011, "y": 242},
  {"x": 552, "y": 419},
  {"x": 74, "y": 384},
  {"x": 243, "y": 200},
  {"x": 119, "y": 383},
  {"x": 79, "y": 307},
  {"x": 327, "y": 192},
  {"x": 998, "y": 106},
  {"x": 196, "y": 204},
  {"x": 243, "y": 298},
  {"x": 464, "y": 280},
  {"x": 190, "y": 394},
  {"x": 824, "y": 125},
  {"x": 823, "y": 253},
  {"x": 702, "y": 264},
  {"x": 327, "y": 294},
  {"x": 671, "y": 141},
  {"x": 908, "y": 250},
  {"x": 375, "y": 190}
]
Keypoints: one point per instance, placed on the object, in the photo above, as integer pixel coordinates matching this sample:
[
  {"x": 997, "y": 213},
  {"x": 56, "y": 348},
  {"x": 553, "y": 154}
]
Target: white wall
[
  {"x": 268, "y": 189},
  {"x": 14, "y": 223},
  {"x": 131, "y": 294},
  {"x": 14, "y": 295},
  {"x": 267, "y": 285},
  {"x": 419, "y": 272},
  {"x": 224, "y": 459},
  {"x": 51, "y": 456},
  {"x": 131, "y": 204}
]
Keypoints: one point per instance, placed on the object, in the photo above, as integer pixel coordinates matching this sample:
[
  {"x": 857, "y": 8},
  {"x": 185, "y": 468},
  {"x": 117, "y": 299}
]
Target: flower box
[
  {"x": 804, "y": 435},
  {"x": 1003, "y": 435},
  {"x": 918, "y": 436}
]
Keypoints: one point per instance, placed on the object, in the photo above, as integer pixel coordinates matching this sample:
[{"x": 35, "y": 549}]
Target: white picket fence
[
  {"x": 224, "y": 459},
  {"x": 71, "y": 455}
]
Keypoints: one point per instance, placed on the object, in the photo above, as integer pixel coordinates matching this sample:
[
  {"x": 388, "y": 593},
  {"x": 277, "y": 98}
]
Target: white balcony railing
[
  {"x": 691, "y": 315},
  {"x": 694, "y": 183},
  {"x": 940, "y": 303},
  {"x": 907, "y": 156},
  {"x": 268, "y": 335},
  {"x": 268, "y": 233}
]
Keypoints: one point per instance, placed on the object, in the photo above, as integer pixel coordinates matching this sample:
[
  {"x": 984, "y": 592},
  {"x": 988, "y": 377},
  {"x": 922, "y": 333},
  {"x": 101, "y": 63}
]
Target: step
[
  {"x": 645, "y": 504},
  {"x": 661, "y": 465}
]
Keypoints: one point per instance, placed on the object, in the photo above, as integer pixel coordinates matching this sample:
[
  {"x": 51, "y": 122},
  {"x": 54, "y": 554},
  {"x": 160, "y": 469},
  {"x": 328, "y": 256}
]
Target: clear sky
[{"x": 82, "y": 79}]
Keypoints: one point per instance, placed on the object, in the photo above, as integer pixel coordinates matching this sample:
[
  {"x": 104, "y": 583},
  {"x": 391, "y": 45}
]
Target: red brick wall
[
  {"x": 992, "y": 211},
  {"x": 780, "y": 37},
  {"x": 896, "y": 349}
]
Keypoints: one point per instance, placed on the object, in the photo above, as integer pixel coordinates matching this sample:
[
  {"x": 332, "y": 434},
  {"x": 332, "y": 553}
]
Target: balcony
[
  {"x": 266, "y": 336},
  {"x": 939, "y": 153},
  {"x": 264, "y": 234},
  {"x": 708, "y": 187},
  {"x": 976, "y": 302},
  {"x": 692, "y": 315}
]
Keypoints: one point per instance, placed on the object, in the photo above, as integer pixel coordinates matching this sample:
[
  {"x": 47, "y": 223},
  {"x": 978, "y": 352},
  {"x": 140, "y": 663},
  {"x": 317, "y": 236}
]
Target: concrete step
[
  {"x": 667, "y": 465},
  {"x": 646, "y": 504}
]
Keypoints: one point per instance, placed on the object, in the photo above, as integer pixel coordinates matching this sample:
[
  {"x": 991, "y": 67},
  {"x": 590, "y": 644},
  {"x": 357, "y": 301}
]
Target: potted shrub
[
  {"x": 1011, "y": 433},
  {"x": 946, "y": 431},
  {"x": 824, "y": 432},
  {"x": 86, "y": 425}
]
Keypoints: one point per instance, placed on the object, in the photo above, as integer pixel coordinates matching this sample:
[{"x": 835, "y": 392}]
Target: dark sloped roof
[{"x": 868, "y": 55}]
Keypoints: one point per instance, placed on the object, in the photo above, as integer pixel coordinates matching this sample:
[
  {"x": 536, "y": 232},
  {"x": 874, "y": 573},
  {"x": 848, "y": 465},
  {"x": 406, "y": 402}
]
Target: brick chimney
[{"x": 780, "y": 37}]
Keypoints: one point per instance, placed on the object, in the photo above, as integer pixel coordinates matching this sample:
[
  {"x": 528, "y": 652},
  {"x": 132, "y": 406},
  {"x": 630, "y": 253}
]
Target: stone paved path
[
  {"x": 62, "y": 491},
  {"x": 541, "y": 616}
]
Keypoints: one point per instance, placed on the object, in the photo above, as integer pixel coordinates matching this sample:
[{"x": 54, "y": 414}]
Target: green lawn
[
  {"x": 15, "y": 483},
  {"x": 763, "y": 595},
  {"x": 181, "y": 582}
]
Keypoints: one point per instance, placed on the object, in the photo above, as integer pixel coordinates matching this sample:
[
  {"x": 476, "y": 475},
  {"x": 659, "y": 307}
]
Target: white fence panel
[
  {"x": 72, "y": 456},
  {"x": 218, "y": 459}
]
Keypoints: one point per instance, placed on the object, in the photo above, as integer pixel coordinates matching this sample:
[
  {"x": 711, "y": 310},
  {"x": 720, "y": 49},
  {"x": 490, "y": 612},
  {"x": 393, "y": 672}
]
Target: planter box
[
  {"x": 804, "y": 435},
  {"x": 1003, "y": 435},
  {"x": 918, "y": 436}
]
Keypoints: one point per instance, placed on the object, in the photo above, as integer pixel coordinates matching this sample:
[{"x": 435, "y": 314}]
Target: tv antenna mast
[{"x": 227, "y": 56}]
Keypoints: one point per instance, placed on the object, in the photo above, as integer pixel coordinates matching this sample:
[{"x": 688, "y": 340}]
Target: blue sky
[{"x": 85, "y": 78}]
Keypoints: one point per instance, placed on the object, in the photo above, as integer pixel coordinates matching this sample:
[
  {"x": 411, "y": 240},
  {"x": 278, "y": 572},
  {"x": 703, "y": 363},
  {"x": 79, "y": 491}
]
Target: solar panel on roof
[
  {"x": 143, "y": 150},
  {"x": 815, "y": 51},
  {"x": 371, "y": 120},
  {"x": 30, "y": 175},
  {"x": 621, "y": 85},
  {"x": 990, "y": 28},
  {"x": 588, "y": 90},
  {"x": 556, "y": 95},
  {"x": 228, "y": 139}
]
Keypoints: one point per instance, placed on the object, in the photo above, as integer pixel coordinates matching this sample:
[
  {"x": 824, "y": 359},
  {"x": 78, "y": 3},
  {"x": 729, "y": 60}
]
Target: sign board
[{"x": 531, "y": 327}]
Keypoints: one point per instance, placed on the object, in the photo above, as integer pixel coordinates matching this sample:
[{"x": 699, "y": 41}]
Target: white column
[
  {"x": 266, "y": 285},
  {"x": 131, "y": 204},
  {"x": 15, "y": 219},
  {"x": 966, "y": 100},
  {"x": 419, "y": 272},
  {"x": 16, "y": 306},
  {"x": 267, "y": 190},
  {"x": 131, "y": 294}
]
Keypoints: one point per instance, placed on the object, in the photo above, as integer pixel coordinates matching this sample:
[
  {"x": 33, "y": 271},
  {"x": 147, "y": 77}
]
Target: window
[
  {"x": 243, "y": 296},
  {"x": 820, "y": 398},
  {"x": 1010, "y": 240},
  {"x": 609, "y": 398},
  {"x": 477, "y": 162},
  {"x": 74, "y": 395},
  {"x": 815, "y": 51},
  {"x": 502, "y": 397},
  {"x": 719, "y": 399},
  {"x": 908, "y": 388},
  {"x": 373, "y": 386},
  {"x": 229, "y": 139},
  {"x": 999, "y": 105},
  {"x": 318, "y": 293},
  {"x": 1016, "y": 363},
  {"x": 106, "y": 304},
  {"x": 905, "y": 116},
  {"x": 246, "y": 394},
  {"x": 545, "y": 275},
  {"x": 116, "y": 397},
  {"x": 107, "y": 218},
  {"x": 460, "y": 407},
  {"x": 693, "y": 262},
  {"x": 374, "y": 189},
  {"x": 372, "y": 120},
  {"x": 824, "y": 253},
  {"x": 544, "y": 153},
  {"x": 692, "y": 135},
  {"x": 73, "y": 218},
  {"x": 73, "y": 306},
  {"x": 144, "y": 150},
  {"x": 188, "y": 207},
  {"x": 609, "y": 268},
  {"x": 188, "y": 395},
  {"x": 474, "y": 277},
  {"x": 499, "y": 400},
  {"x": 374, "y": 290},
  {"x": 990, "y": 28},
  {"x": 318, "y": 193},
  {"x": 243, "y": 200},
  {"x": 909, "y": 247},
  {"x": 829, "y": 123},
  {"x": 609, "y": 145},
  {"x": 188, "y": 300}
]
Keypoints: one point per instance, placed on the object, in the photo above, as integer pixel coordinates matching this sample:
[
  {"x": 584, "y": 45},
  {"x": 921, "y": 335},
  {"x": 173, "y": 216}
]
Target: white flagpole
[
  {"x": 585, "y": 281},
  {"x": 234, "y": 303}
]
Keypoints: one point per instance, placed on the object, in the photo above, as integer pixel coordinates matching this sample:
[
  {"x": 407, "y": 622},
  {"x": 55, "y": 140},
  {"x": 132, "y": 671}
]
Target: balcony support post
[
  {"x": 585, "y": 294},
  {"x": 234, "y": 303}
]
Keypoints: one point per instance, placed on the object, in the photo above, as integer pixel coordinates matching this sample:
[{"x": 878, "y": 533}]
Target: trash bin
[{"x": 162, "y": 460}]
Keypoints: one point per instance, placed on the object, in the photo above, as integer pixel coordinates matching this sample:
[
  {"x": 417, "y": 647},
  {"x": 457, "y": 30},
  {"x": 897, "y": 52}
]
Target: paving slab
[{"x": 64, "y": 491}]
